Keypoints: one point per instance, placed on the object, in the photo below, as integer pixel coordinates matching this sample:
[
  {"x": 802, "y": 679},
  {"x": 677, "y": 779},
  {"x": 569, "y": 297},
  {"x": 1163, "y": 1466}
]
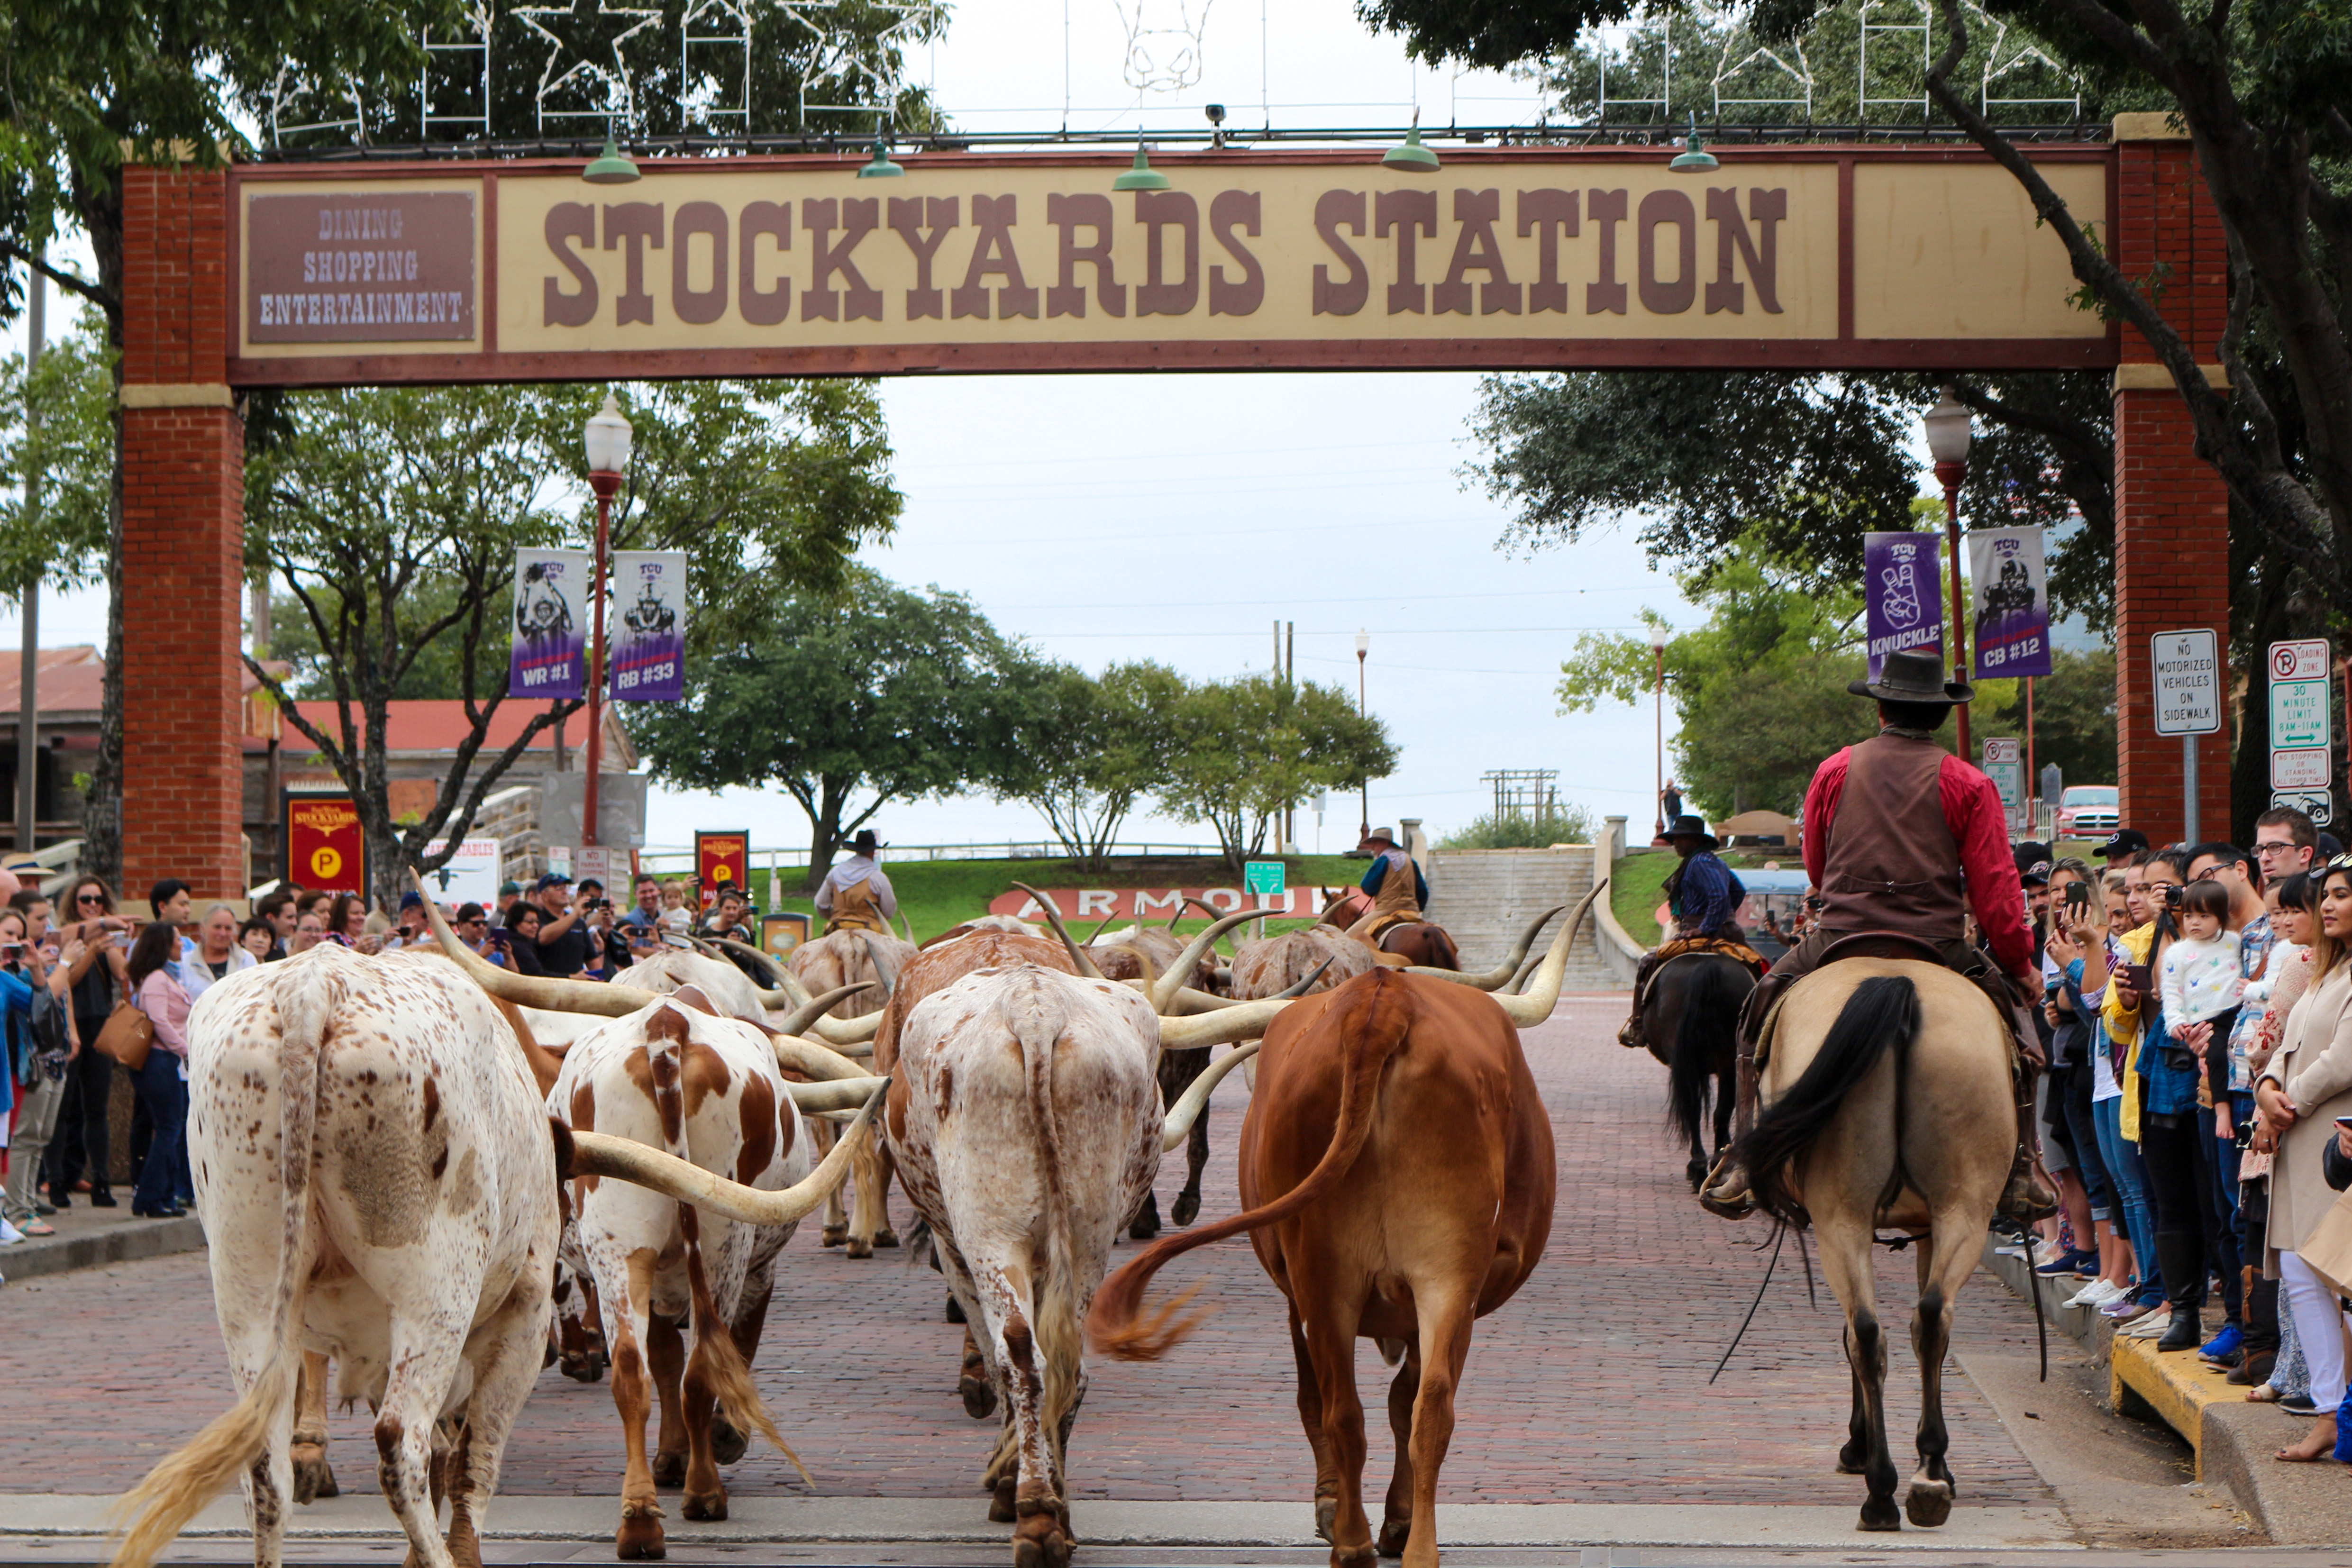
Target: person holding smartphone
[{"x": 97, "y": 978}]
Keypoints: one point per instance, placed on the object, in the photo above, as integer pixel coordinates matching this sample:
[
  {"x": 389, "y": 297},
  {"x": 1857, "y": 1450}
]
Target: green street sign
[
  {"x": 2299, "y": 712},
  {"x": 1264, "y": 876}
]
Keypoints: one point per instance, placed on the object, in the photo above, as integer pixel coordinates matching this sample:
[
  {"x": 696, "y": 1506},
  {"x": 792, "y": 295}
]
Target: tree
[
  {"x": 1244, "y": 749},
  {"x": 2074, "y": 714},
  {"x": 1087, "y": 749},
  {"x": 57, "y": 466},
  {"x": 1805, "y": 463},
  {"x": 849, "y": 702}
]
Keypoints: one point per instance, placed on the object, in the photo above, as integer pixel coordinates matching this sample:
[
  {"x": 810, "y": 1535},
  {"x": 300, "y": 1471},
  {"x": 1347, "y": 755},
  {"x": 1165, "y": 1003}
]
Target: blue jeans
[
  {"x": 166, "y": 1098},
  {"x": 2121, "y": 1157}
]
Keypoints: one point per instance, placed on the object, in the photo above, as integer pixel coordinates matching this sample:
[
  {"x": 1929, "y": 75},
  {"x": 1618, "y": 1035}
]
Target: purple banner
[
  {"x": 2009, "y": 592},
  {"x": 550, "y": 634},
  {"x": 648, "y": 626},
  {"x": 1904, "y": 608}
]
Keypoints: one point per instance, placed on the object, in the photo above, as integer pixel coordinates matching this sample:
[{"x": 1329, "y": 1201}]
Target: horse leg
[
  {"x": 1845, "y": 1259},
  {"x": 1944, "y": 1268}
]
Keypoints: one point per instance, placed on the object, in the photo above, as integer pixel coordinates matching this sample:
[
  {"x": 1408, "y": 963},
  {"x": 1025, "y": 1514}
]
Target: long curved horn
[
  {"x": 882, "y": 965},
  {"x": 1500, "y": 975},
  {"x": 1173, "y": 977},
  {"x": 764, "y": 959},
  {"x": 702, "y": 945},
  {"x": 1185, "y": 901},
  {"x": 601, "y": 1155},
  {"x": 789, "y": 996},
  {"x": 1103, "y": 927},
  {"x": 1177, "y": 1125},
  {"x": 812, "y": 1060},
  {"x": 1194, "y": 1003},
  {"x": 1086, "y": 965},
  {"x": 1225, "y": 1027},
  {"x": 798, "y": 1020},
  {"x": 907, "y": 926},
  {"x": 1519, "y": 981},
  {"x": 1542, "y": 994},
  {"x": 606, "y": 1000},
  {"x": 841, "y": 1094}
]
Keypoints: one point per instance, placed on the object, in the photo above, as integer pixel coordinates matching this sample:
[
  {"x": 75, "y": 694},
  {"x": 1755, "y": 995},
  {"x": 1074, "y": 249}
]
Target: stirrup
[
  {"x": 2026, "y": 1197},
  {"x": 1727, "y": 1193}
]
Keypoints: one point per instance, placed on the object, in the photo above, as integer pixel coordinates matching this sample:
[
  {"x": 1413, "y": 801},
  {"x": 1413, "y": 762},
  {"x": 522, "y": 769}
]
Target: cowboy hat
[
  {"x": 1377, "y": 836},
  {"x": 866, "y": 843},
  {"x": 1913, "y": 678},
  {"x": 1691, "y": 827}
]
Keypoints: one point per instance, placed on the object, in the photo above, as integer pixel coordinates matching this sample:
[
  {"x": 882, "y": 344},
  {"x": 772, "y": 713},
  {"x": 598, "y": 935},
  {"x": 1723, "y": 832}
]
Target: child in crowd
[{"x": 2203, "y": 983}]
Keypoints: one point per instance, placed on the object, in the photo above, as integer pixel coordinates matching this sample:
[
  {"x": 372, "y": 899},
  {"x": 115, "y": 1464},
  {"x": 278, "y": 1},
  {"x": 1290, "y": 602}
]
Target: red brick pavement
[{"x": 1589, "y": 1387}]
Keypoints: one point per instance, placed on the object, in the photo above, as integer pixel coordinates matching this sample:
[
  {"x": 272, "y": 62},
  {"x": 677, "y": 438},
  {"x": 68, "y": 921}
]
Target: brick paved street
[{"x": 1589, "y": 1387}]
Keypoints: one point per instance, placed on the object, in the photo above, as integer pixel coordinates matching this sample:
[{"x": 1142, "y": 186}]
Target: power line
[{"x": 1344, "y": 599}]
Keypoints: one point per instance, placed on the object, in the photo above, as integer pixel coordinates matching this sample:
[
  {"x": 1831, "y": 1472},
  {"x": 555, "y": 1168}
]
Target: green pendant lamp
[
  {"x": 1143, "y": 176},
  {"x": 1694, "y": 159},
  {"x": 611, "y": 166},
  {"x": 881, "y": 167},
  {"x": 1410, "y": 154}
]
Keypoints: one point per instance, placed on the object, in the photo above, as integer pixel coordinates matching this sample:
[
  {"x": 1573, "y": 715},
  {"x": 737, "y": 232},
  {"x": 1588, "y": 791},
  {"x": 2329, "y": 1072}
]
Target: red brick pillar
[
  {"x": 2172, "y": 513},
  {"x": 183, "y": 539}
]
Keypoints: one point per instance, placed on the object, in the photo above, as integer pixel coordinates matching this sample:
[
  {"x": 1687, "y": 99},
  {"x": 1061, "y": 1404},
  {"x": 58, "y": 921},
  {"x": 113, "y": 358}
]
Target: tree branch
[{"x": 70, "y": 283}]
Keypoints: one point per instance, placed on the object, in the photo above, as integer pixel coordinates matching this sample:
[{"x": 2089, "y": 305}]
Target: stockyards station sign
[{"x": 1790, "y": 258}]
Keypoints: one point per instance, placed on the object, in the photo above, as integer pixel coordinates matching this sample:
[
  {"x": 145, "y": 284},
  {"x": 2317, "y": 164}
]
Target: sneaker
[
  {"x": 2298, "y": 1405},
  {"x": 2227, "y": 1342},
  {"x": 9, "y": 1234},
  {"x": 2151, "y": 1327},
  {"x": 2124, "y": 1308},
  {"x": 2014, "y": 1249},
  {"x": 2066, "y": 1263},
  {"x": 2098, "y": 1293}
]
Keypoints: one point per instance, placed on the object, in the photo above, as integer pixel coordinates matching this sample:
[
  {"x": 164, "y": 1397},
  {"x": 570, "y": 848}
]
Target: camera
[{"x": 2174, "y": 896}]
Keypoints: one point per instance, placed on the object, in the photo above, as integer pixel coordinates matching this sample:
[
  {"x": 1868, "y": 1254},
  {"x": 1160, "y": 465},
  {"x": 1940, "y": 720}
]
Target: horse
[
  {"x": 1690, "y": 1021},
  {"x": 1888, "y": 1105},
  {"x": 1420, "y": 942}
]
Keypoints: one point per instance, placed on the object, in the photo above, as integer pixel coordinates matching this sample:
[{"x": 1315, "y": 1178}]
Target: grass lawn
[
  {"x": 1636, "y": 887},
  {"x": 936, "y": 894}
]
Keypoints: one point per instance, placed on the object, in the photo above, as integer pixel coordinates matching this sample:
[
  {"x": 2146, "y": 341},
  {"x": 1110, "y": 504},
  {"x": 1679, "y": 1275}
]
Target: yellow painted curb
[{"x": 2175, "y": 1387}]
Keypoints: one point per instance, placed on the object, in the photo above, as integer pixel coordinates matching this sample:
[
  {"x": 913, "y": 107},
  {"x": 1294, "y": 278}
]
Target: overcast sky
[{"x": 1174, "y": 517}]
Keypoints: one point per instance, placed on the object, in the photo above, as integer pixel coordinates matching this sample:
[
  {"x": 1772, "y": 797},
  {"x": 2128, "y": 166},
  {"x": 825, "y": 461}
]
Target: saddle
[
  {"x": 1682, "y": 946},
  {"x": 1757, "y": 1019}
]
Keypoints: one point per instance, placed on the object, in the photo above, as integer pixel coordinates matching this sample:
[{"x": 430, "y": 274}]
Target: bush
[{"x": 1518, "y": 830}]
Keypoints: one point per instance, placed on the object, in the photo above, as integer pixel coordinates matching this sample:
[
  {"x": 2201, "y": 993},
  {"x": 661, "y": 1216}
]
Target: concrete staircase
[{"x": 1484, "y": 897}]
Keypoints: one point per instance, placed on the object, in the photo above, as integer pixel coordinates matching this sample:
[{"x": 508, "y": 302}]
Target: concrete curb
[
  {"x": 2234, "y": 1440},
  {"x": 122, "y": 1243}
]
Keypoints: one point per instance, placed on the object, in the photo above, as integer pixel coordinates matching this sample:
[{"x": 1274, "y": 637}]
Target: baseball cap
[
  {"x": 553, "y": 879},
  {"x": 2123, "y": 841},
  {"x": 411, "y": 900},
  {"x": 2033, "y": 863},
  {"x": 508, "y": 889}
]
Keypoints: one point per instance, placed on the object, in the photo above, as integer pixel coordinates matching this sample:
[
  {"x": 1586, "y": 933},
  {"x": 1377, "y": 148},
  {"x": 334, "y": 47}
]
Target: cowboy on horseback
[
  {"x": 1703, "y": 897},
  {"x": 1904, "y": 840},
  {"x": 855, "y": 895},
  {"x": 1395, "y": 885}
]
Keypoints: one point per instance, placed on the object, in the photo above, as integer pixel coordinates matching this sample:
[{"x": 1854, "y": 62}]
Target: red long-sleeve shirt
[{"x": 1972, "y": 810}]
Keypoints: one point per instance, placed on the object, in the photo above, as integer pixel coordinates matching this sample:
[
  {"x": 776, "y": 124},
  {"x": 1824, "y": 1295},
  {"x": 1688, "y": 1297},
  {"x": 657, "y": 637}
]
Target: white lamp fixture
[
  {"x": 608, "y": 440},
  {"x": 1949, "y": 425}
]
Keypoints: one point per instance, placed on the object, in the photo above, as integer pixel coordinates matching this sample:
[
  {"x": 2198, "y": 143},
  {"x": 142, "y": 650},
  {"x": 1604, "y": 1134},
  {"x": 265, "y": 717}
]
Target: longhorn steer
[
  {"x": 855, "y": 958},
  {"x": 1398, "y": 1172}
]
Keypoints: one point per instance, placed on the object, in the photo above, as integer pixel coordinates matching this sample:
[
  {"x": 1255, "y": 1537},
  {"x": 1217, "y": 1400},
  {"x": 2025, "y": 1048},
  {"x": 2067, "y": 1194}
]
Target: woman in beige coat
[{"x": 2306, "y": 1085}]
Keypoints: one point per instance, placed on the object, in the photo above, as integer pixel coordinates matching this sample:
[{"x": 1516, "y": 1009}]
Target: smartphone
[
  {"x": 2078, "y": 896},
  {"x": 499, "y": 937},
  {"x": 2140, "y": 977}
]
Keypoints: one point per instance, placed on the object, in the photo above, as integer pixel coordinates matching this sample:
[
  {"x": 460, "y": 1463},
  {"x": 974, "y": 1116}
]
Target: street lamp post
[
  {"x": 1363, "y": 647},
  {"x": 1658, "y": 650},
  {"x": 1948, "y": 430},
  {"x": 608, "y": 458}
]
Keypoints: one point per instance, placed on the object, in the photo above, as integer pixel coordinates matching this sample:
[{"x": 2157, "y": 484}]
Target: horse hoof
[
  {"x": 834, "y": 1235},
  {"x": 711, "y": 1506},
  {"x": 727, "y": 1441},
  {"x": 1879, "y": 1513},
  {"x": 1394, "y": 1533},
  {"x": 1850, "y": 1461},
  {"x": 670, "y": 1470},
  {"x": 1695, "y": 1175},
  {"x": 979, "y": 1399},
  {"x": 886, "y": 1236},
  {"x": 1000, "y": 1503},
  {"x": 858, "y": 1248},
  {"x": 1186, "y": 1208},
  {"x": 1929, "y": 1506}
]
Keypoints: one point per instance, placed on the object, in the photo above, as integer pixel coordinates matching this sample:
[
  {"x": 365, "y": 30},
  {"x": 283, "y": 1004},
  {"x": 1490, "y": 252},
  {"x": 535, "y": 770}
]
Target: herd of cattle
[{"x": 424, "y": 1177}]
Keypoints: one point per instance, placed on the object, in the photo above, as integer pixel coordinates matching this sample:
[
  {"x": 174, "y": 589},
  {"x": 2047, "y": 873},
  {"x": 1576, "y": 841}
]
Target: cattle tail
[
  {"x": 160, "y": 1506},
  {"x": 1052, "y": 1311},
  {"x": 1882, "y": 1014},
  {"x": 1374, "y": 1024}
]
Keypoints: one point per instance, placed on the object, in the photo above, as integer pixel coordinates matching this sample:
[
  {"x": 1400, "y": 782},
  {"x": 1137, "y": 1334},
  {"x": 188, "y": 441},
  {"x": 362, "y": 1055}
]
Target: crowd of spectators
[
  {"x": 66, "y": 971},
  {"x": 2197, "y": 1024}
]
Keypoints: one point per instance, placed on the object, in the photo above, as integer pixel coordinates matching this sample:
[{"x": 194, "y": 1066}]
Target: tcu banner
[
  {"x": 2010, "y": 598},
  {"x": 550, "y": 637},
  {"x": 1904, "y": 604},
  {"x": 648, "y": 626}
]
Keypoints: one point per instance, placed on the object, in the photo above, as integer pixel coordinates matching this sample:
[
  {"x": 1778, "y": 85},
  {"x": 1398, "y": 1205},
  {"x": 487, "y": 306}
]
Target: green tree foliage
[
  {"x": 1244, "y": 749},
  {"x": 1523, "y": 829},
  {"x": 849, "y": 702},
  {"x": 1087, "y": 749},
  {"x": 57, "y": 469},
  {"x": 2074, "y": 714},
  {"x": 1805, "y": 464}
]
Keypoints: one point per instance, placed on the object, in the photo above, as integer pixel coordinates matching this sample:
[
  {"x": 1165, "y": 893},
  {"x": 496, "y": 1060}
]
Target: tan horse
[{"x": 1887, "y": 1108}]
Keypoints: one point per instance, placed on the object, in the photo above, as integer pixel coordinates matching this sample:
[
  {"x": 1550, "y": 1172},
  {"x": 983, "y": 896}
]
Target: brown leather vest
[
  {"x": 855, "y": 908},
  {"x": 1892, "y": 862}
]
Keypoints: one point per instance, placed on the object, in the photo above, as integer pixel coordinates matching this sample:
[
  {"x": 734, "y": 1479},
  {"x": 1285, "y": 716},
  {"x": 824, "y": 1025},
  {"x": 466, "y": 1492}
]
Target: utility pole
[{"x": 28, "y": 677}]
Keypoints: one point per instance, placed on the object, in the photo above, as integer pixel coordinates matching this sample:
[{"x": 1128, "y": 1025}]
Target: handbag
[{"x": 128, "y": 1035}]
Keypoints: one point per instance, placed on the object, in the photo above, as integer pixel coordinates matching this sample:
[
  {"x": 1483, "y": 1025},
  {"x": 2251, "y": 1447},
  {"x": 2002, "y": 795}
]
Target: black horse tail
[
  {"x": 1882, "y": 1014},
  {"x": 1705, "y": 1043}
]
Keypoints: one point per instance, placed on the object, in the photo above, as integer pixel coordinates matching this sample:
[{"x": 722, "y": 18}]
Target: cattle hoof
[
  {"x": 639, "y": 1539},
  {"x": 1000, "y": 1504},
  {"x": 547, "y": 1356},
  {"x": 1361, "y": 1557},
  {"x": 955, "y": 1311},
  {"x": 312, "y": 1479},
  {"x": 727, "y": 1441},
  {"x": 1394, "y": 1533},
  {"x": 886, "y": 1236},
  {"x": 587, "y": 1368},
  {"x": 669, "y": 1470},
  {"x": 1929, "y": 1505},
  {"x": 1186, "y": 1208},
  {"x": 1146, "y": 1223},
  {"x": 834, "y": 1235},
  {"x": 1879, "y": 1513},
  {"x": 1038, "y": 1541},
  {"x": 859, "y": 1249},
  {"x": 979, "y": 1399},
  {"x": 706, "y": 1505}
]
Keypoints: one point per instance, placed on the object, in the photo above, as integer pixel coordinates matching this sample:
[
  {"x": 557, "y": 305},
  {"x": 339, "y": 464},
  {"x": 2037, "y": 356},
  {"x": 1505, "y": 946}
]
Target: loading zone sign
[{"x": 2188, "y": 670}]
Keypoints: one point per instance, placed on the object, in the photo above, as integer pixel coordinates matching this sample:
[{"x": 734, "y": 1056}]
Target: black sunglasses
[{"x": 89, "y": 898}]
